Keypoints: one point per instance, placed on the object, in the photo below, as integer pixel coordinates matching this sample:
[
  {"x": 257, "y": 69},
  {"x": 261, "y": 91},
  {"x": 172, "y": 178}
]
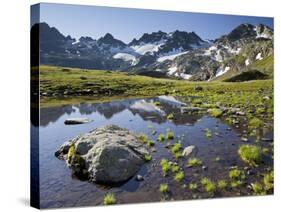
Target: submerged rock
[
  {"x": 105, "y": 155},
  {"x": 77, "y": 121}
]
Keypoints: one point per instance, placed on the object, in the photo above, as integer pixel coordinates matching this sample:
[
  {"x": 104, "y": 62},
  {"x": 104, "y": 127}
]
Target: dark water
[{"x": 58, "y": 188}]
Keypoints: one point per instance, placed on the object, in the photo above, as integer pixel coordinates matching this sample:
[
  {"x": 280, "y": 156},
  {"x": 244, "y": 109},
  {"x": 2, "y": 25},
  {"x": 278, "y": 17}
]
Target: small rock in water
[
  {"x": 244, "y": 139},
  {"x": 139, "y": 178},
  {"x": 77, "y": 121},
  {"x": 167, "y": 146},
  {"x": 204, "y": 168},
  {"x": 250, "y": 172},
  {"x": 217, "y": 134},
  {"x": 267, "y": 139},
  {"x": 189, "y": 150}
]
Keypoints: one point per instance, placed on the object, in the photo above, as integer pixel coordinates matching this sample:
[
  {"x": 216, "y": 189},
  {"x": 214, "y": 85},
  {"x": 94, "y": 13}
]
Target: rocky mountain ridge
[{"x": 177, "y": 54}]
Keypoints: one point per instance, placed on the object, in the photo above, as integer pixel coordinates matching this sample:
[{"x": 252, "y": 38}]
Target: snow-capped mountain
[
  {"x": 176, "y": 54},
  {"x": 230, "y": 54}
]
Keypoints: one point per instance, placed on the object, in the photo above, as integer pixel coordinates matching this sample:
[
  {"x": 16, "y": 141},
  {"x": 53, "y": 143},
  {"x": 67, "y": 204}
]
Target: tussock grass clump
[
  {"x": 170, "y": 116},
  {"x": 175, "y": 168},
  {"x": 250, "y": 154},
  {"x": 165, "y": 166},
  {"x": 268, "y": 181},
  {"x": 208, "y": 185},
  {"x": 215, "y": 112},
  {"x": 161, "y": 137},
  {"x": 192, "y": 186},
  {"x": 109, "y": 199},
  {"x": 164, "y": 188},
  {"x": 237, "y": 177},
  {"x": 179, "y": 176},
  {"x": 147, "y": 157},
  {"x": 192, "y": 162},
  {"x": 222, "y": 184},
  {"x": 255, "y": 123},
  {"x": 169, "y": 134},
  {"x": 176, "y": 148},
  {"x": 257, "y": 188},
  {"x": 150, "y": 143},
  {"x": 208, "y": 133}
]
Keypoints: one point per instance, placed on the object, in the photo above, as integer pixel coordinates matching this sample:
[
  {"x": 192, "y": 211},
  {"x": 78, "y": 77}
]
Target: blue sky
[{"x": 126, "y": 24}]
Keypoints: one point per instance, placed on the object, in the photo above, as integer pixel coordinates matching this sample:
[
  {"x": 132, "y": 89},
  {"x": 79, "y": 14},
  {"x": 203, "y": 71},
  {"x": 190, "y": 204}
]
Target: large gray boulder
[{"x": 105, "y": 155}]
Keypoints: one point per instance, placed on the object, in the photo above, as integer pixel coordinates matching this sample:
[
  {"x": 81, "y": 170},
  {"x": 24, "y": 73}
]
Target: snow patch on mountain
[
  {"x": 220, "y": 71},
  {"x": 172, "y": 70},
  {"x": 144, "y": 48},
  {"x": 185, "y": 76},
  {"x": 259, "y": 57},
  {"x": 247, "y": 62},
  {"x": 125, "y": 57},
  {"x": 171, "y": 55}
]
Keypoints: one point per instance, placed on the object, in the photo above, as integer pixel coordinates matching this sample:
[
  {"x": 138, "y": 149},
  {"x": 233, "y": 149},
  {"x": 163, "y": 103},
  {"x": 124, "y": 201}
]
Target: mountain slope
[{"x": 178, "y": 54}]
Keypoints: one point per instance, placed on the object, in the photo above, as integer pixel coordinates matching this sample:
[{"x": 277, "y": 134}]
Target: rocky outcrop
[{"x": 106, "y": 155}]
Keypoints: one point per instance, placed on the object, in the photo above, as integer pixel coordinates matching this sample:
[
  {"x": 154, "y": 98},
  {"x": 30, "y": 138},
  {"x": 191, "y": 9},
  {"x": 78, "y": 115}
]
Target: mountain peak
[
  {"x": 242, "y": 31},
  {"x": 108, "y": 36},
  {"x": 86, "y": 39},
  {"x": 153, "y": 37},
  {"x": 108, "y": 39}
]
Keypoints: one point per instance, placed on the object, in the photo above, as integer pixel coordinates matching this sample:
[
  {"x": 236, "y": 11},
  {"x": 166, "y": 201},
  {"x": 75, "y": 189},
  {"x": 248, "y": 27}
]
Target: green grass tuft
[
  {"x": 208, "y": 133},
  {"x": 179, "y": 176},
  {"x": 258, "y": 188},
  {"x": 268, "y": 181},
  {"x": 169, "y": 134},
  {"x": 170, "y": 116},
  {"x": 222, "y": 184},
  {"x": 192, "y": 186},
  {"x": 208, "y": 185},
  {"x": 109, "y": 199},
  {"x": 215, "y": 112},
  {"x": 165, "y": 166},
  {"x": 250, "y": 154},
  {"x": 192, "y": 162},
  {"x": 255, "y": 123},
  {"x": 161, "y": 137},
  {"x": 163, "y": 188},
  {"x": 147, "y": 157}
]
